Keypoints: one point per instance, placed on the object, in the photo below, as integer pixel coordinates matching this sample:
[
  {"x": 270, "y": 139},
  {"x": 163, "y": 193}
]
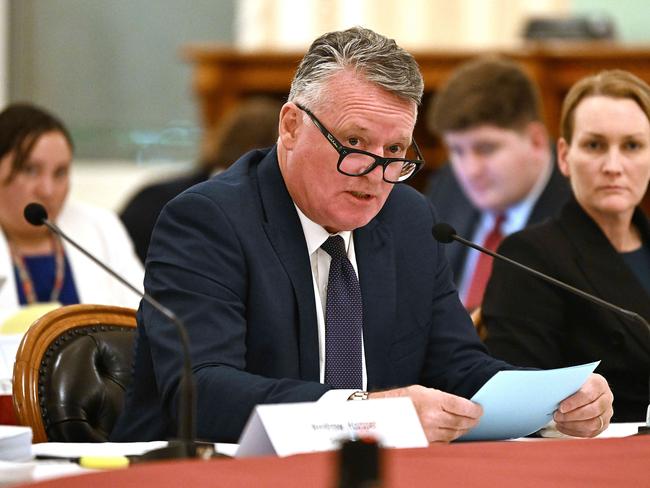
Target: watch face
[{"x": 359, "y": 395}]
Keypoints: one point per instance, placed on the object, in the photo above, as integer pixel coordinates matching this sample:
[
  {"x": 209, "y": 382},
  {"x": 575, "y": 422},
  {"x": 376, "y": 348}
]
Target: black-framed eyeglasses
[{"x": 356, "y": 162}]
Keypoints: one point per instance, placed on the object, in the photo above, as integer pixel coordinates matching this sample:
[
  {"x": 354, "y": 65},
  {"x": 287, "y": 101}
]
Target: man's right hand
[{"x": 444, "y": 417}]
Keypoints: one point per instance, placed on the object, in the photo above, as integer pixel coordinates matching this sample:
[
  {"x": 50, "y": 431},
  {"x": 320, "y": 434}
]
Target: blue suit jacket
[{"x": 230, "y": 258}]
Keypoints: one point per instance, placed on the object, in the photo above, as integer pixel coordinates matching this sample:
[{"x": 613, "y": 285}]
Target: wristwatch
[{"x": 359, "y": 395}]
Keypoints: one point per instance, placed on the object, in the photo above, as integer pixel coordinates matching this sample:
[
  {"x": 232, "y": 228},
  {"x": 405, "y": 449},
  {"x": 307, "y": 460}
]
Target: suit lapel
[
  {"x": 283, "y": 228},
  {"x": 606, "y": 271},
  {"x": 375, "y": 256}
]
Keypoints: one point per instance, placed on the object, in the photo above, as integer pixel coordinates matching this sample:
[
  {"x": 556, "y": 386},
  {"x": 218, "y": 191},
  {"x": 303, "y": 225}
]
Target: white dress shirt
[{"x": 315, "y": 236}]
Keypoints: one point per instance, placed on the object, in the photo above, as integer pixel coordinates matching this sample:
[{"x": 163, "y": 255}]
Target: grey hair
[{"x": 379, "y": 59}]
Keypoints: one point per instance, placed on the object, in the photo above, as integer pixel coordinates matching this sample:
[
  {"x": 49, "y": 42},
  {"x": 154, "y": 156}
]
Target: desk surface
[{"x": 571, "y": 463}]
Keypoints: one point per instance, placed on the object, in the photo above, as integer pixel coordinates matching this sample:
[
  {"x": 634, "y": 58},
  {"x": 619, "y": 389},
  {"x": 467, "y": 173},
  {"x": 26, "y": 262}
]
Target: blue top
[
  {"x": 42, "y": 271},
  {"x": 639, "y": 262}
]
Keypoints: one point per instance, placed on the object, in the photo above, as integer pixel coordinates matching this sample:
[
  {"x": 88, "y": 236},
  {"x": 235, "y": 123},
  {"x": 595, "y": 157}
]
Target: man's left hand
[{"x": 587, "y": 412}]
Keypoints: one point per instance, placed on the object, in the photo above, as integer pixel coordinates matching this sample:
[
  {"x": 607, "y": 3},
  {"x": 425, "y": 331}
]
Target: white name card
[{"x": 293, "y": 428}]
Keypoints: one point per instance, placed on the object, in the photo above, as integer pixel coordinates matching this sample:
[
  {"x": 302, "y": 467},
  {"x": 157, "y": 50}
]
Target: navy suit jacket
[
  {"x": 141, "y": 212},
  {"x": 452, "y": 206},
  {"x": 229, "y": 257}
]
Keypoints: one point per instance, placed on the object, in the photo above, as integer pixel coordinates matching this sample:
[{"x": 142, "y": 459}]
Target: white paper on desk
[
  {"x": 518, "y": 403},
  {"x": 9, "y": 344},
  {"x": 15, "y": 443},
  {"x": 100, "y": 449}
]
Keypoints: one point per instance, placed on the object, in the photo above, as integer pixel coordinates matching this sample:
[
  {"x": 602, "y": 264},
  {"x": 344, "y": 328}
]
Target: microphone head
[
  {"x": 443, "y": 232},
  {"x": 35, "y": 214}
]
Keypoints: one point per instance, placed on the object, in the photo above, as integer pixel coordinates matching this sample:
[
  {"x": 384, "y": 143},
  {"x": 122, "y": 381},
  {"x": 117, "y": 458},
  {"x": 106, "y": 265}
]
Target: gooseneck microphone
[
  {"x": 184, "y": 446},
  {"x": 445, "y": 233}
]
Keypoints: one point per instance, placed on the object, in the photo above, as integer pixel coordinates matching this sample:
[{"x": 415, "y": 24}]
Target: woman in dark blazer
[{"x": 599, "y": 244}]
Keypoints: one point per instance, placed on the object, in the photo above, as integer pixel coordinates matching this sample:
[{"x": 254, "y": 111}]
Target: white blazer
[{"x": 102, "y": 234}]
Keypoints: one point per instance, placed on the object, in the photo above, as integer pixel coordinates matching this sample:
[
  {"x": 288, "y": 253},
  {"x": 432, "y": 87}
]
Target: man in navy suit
[
  {"x": 238, "y": 258},
  {"x": 500, "y": 161}
]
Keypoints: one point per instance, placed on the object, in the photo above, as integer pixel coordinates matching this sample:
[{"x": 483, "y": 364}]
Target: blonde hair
[{"x": 614, "y": 83}]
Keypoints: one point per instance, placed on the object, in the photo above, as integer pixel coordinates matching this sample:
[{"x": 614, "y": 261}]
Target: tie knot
[
  {"x": 334, "y": 246},
  {"x": 499, "y": 221}
]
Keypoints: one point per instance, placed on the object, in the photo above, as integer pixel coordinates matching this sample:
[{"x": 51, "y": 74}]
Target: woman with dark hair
[
  {"x": 600, "y": 244},
  {"x": 36, "y": 266}
]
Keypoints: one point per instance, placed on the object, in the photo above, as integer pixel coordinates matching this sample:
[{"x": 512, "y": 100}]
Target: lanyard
[{"x": 25, "y": 278}]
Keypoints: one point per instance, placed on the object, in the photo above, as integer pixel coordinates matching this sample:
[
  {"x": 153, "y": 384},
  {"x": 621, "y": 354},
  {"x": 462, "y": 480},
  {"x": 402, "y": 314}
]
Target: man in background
[{"x": 501, "y": 175}]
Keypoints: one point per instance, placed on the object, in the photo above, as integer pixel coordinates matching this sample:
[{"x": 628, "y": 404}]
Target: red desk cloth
[
  {"x": 557, "y": 463},
  {"x": 7, "y": 416}
]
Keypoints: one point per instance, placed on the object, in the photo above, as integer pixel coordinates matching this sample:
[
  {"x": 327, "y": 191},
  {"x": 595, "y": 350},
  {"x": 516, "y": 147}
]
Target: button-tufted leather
[
  {"x": 72, "y": 369},
  {"x": 82, "y": 381}
]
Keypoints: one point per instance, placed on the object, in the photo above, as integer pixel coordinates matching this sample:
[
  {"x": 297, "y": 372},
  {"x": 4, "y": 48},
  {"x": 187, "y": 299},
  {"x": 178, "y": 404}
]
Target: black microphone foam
[
  {"x": 443, "y": 232},
  {"x": 35, "y": 214},
  {"x": 359, "y": 464}
]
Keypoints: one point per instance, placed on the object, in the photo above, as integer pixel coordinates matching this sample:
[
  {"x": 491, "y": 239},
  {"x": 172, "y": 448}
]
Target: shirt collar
[{"x": 316, "y": 235}]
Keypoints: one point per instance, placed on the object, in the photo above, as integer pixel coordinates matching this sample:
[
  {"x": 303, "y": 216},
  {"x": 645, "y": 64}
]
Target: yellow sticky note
[{"x": 98, "y": 462}]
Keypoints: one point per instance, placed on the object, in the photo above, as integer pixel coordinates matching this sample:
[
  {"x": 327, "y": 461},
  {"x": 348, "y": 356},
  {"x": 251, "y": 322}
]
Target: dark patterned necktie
[{"x": 343, "y": 320}]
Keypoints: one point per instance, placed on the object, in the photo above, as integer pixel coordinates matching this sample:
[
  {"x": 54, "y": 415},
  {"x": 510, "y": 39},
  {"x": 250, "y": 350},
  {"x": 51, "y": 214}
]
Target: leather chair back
[{"x": 72, "y": 368}]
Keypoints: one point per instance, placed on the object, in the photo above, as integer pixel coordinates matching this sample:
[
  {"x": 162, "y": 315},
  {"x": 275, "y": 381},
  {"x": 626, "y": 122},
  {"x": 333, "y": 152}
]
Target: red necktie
[{"x": 483, "y": 267}]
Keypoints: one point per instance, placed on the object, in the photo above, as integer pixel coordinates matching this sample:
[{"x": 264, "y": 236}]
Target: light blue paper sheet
[{"x": 518, "y": 403}]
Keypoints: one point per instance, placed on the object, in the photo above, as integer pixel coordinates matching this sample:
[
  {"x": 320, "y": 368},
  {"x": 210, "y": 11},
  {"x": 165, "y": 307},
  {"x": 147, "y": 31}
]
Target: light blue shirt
[{"x": 516, "y": 217}]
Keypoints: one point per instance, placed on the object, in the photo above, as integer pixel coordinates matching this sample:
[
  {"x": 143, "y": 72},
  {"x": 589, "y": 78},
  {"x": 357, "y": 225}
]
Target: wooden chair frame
[
  {"x": 479, "y": 325},
  {"x": 35, "y": 343}
]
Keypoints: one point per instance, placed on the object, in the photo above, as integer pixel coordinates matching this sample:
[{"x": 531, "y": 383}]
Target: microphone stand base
[
  {"x": 643, "y": 430},
  {"x": 178, "y": 449}
]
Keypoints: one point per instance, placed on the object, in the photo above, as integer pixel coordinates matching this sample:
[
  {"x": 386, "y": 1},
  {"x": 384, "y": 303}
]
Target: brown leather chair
[
  {"x": 72, "y": 368},
  {"x": 479, "y": 325}
]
